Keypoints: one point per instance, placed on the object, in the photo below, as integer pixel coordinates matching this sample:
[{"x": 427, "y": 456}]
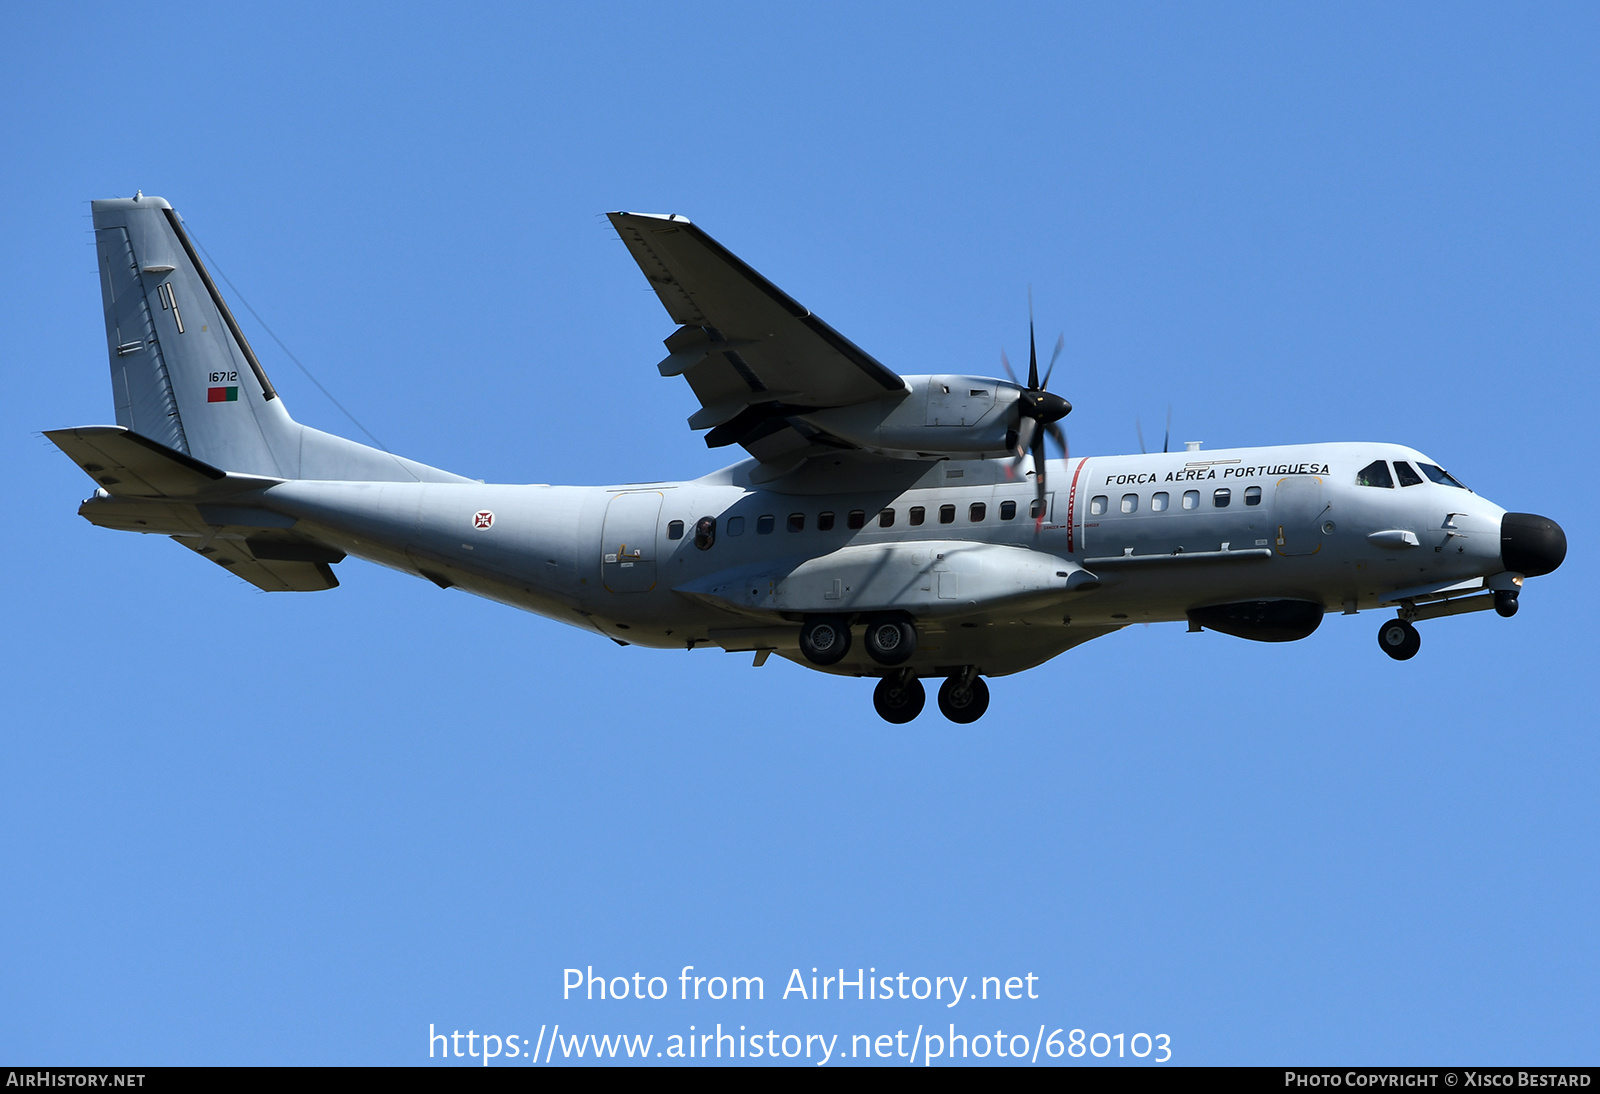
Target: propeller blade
[
  {"x": 1038, "y": 477},
  {"x": 1005, "y": 361},
  {"x": 1061, "y": 343},
  {"x": 1025, "y": 430},
  {"x": 1033, "y": 353},
  {"x": 1059, "y": 435},
  {"x": 1167, "y": 437},
  {"x": 1139, "y": 429}
]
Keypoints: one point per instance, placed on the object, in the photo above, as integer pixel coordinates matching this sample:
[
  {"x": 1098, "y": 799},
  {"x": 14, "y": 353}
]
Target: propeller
[
  {"x": 1166, "y": 438},
  {"x": 1039, "y": 411}
]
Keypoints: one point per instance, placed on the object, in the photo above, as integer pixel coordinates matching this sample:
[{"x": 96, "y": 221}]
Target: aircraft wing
[{"x": 753, "y": 355}]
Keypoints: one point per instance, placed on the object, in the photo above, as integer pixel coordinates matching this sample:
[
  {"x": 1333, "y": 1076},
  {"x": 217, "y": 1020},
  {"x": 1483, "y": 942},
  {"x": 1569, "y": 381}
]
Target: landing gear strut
[
  {"x": 1399, "y": 639},
  {"x": 964, "y": 697},
  {"x": 899, "y": 697}
]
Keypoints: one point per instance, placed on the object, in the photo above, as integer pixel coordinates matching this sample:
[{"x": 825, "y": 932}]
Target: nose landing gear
[{"x": 1399, "y": 639}]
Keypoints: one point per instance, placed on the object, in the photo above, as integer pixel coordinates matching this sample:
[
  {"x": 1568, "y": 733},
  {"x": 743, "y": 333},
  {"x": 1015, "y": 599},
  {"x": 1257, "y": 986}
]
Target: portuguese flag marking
[{"x": 222, "y": 395}]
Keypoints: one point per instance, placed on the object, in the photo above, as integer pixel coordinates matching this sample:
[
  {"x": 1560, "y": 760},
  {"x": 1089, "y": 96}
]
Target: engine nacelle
[{"x": 963, "y": 417}]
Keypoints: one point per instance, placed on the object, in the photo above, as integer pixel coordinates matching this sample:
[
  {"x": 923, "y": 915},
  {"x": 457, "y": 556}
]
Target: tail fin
[{"x": 183, "y": 373}]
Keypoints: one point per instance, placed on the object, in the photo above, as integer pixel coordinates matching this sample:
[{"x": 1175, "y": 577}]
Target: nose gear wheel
[{"x": 1399, "y": 639}]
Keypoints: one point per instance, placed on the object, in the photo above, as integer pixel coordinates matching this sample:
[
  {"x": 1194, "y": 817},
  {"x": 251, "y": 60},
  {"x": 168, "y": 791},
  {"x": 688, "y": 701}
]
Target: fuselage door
[
  {"x": 1297, "y": 509},
  {"x": 628, "y": 542}
]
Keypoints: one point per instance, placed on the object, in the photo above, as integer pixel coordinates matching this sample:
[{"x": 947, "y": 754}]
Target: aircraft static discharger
[{"x": 901, "y": 527}]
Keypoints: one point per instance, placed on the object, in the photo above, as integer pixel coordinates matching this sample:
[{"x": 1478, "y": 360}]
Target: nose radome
[{"x": 1531, "y": 545}]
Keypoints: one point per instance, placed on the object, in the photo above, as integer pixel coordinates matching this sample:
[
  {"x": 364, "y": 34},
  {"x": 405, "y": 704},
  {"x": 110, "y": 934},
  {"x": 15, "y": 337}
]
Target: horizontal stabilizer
[
  {"x": 262, "y": 564},
  {"x": 126, "y": 464}
]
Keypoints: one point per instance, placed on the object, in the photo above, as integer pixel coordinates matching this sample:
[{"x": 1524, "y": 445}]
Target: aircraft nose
[{"x": 1531, "y": 545}]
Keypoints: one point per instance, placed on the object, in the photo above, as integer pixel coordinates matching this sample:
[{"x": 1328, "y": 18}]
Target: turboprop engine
[{"x": 963, "y": 417}]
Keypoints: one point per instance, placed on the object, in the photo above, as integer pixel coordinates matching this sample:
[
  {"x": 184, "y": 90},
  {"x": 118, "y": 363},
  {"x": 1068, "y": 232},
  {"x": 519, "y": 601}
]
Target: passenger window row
[
  {"x": 706, "y": 527},
  {"x": 1159, "y": 502}
]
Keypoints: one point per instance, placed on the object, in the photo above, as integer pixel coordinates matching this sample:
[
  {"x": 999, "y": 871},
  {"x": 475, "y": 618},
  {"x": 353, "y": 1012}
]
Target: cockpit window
[
  {"x": 1408, "y": 477},
  {"x": 1375, "y": 473},
  {"x": 1439, "y": 475}
]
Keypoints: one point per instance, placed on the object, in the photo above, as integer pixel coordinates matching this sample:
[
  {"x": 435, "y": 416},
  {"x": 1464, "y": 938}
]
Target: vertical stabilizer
[
  {"x": 183, "y": 373},
  {"x": 181, "y": 370}
]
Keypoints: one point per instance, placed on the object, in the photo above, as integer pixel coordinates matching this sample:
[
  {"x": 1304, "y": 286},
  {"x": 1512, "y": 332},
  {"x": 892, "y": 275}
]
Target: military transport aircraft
[{"x": 901, "y": 527}]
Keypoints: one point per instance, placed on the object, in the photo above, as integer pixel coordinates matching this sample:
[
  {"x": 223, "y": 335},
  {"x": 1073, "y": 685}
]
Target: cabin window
[
  {"x": 1375, "y": 473},
  {"x": 947, "y": 514},
  {"x": 1130, "y": 503},
  {"x": 1036, "y": 509},
  {"x": 1252, "y": 495},
  {"x": 675, "y": 530},
  {"x": 764, "y": 524},
  {"x": 1408, "y": 477},
  {"x": 705, "y": 532},
  {"x": 736, "y": 526},
  {"x": 1008, "y": 510},
  {"x": 886, "y": 518},
  {"x": 976, "y": 511},
  {"x": 1158, "y": 502},
  {"x": 1440, "y": 475},
  {"x": 856, "y": 519},
  {"x": 824, "y": 522},
  {"x": 797, "y": 522},
  {"x": 1097, "y": 505},
  {"x": 1222, "y": 497},
  {"x": 918, "y": 515},
  {"x": 1191, "y": 499}
]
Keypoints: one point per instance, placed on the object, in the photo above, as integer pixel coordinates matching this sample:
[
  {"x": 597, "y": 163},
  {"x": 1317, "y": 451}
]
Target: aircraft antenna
[{"x": 239, "y": 296}]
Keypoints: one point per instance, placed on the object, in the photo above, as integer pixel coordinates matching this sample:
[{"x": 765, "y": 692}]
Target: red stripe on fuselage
[{"x": 1072, "y": 506}]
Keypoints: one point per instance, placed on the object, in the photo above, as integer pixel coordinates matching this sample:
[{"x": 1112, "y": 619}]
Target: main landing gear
[
  {"x": 890, "y": 639},
  {"x": 825, "y": 639},
  {"x": 899, "y": 697},
  {"x": 964, "y": 697}
]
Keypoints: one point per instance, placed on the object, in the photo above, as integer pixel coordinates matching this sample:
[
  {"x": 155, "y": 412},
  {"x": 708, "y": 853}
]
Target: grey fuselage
[{"x": 624, "y": 560}]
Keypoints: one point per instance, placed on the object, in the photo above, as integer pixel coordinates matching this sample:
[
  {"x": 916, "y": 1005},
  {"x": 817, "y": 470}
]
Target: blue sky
[{"x": 249, "y": 828}]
